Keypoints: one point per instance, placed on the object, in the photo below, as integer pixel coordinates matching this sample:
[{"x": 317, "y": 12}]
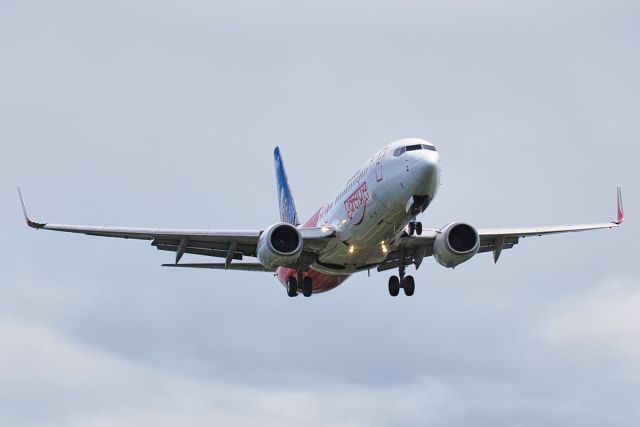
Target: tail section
[{"x": 288, "y": 212}]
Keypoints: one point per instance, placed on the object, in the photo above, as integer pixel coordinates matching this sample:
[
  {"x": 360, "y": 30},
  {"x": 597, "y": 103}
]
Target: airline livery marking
[{"x": 357, "y": 202}]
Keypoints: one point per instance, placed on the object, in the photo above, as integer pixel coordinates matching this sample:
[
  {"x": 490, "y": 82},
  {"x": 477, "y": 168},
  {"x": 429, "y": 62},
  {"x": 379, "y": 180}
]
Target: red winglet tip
[{"x": 620, "y": 219}]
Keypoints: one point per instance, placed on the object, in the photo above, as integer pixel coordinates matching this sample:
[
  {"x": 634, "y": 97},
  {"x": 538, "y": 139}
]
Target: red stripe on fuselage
[
  {"x": 321, "y": 282},
  {"x": 313, "y": 221}
]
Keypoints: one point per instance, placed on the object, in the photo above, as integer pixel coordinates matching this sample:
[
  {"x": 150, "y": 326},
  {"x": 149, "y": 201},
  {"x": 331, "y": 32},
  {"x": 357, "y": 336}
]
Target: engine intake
[
  {"x": 455, "y": 244},
  {"x": 279, "y": 245}
]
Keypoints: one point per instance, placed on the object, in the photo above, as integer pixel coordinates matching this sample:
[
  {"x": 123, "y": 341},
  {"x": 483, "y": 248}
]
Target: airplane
[{"x": 370, "y": 224}]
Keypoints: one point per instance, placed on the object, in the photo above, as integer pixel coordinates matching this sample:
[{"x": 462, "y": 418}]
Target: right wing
[{"x": 243, "y": 266}]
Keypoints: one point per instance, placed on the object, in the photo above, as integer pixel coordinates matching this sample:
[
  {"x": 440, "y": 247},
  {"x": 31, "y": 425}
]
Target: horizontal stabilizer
[{"x": 240, "y": 266}]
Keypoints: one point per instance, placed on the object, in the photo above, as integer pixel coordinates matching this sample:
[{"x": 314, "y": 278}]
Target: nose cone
[{"x": 424, "y": 167}]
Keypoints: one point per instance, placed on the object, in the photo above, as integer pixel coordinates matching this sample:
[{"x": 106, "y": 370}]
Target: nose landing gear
[
  {"x": 394, "y": 286},
  {"x": 415, "y": 227},
  {"x": 409, "y": 286}
]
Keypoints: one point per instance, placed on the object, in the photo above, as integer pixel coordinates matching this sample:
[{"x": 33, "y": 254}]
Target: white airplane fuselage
[{"x": 372, "y": 210}]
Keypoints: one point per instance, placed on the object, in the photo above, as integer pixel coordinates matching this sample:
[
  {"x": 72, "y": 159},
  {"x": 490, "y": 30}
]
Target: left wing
[
  {"x": 227, "y": 244},
  {"x": 497, "y": 239},
  {"x": 413, "y": 249}
]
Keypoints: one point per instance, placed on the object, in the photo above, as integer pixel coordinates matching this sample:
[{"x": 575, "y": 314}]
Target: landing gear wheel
[
  {"x": 412, "y": 228},
  {"x": 409, "y": 285},
  {"x": 394, "y": 286},
  {"x": 307, "y": 286},
  {"x": 292, "y": 287},
  {"x": 418, "y": 227}
]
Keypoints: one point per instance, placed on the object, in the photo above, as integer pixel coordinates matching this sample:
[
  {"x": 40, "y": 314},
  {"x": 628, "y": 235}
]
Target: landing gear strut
[
  {"x": 415, "y": 227},
  {"x": 407, "y": 283}
]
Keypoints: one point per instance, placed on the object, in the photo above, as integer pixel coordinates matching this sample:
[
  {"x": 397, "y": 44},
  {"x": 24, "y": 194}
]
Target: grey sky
[{"x": 166, "y": 114}]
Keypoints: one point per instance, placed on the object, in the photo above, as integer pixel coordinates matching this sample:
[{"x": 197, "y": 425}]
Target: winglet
[
  {"x": 620, "y": 219},
  {"x": 30, "y": 223}
]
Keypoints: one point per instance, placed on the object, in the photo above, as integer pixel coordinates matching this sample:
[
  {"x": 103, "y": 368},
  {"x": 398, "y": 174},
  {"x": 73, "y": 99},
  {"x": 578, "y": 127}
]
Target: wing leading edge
[
  {"x": 228, "y": 244},
  {"x": 497, "y": 239},
  {"x": 416, "y": 248}
]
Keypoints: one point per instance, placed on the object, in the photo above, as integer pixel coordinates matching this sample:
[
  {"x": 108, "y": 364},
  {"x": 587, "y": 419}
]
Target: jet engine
[
  {"x": 279, "y": 245},
  {"x": 455, "y": 244}
]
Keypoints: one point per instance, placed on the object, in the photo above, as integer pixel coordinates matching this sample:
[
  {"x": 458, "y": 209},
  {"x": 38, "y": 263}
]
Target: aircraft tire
[
  {"x": 412, "y": 228},
  {"x": 307, "y": 286},
  {"x": 292, "y": 287},
  {"x": 418, "y": 228},
  {"x": 394, "y": 286},
  {"x": 409, "y": 286}
]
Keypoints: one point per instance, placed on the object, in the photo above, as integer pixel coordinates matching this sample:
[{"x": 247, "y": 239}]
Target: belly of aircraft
[{"x": 364, "y": 248}]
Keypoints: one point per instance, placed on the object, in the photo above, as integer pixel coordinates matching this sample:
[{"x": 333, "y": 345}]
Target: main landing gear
[
  {"x": 292, "y": 286},
  {"x": 307, "y": 286},
  {"x": 405, "y": 282},
  {"x": 415, "y": 227}
]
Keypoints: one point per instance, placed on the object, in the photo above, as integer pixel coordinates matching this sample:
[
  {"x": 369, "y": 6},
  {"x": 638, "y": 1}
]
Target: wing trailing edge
[{"x": 239, "y": 266}]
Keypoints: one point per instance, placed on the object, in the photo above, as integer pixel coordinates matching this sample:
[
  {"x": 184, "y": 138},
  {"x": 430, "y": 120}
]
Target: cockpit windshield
[{"x": 400, "y": 151}]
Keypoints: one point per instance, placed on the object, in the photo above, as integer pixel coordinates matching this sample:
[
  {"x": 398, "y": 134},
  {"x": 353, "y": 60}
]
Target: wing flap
[
  {"x": 197, "y": 246},
  {"x": 240, "y": 266},
  {"x": 205, "y": 252}
]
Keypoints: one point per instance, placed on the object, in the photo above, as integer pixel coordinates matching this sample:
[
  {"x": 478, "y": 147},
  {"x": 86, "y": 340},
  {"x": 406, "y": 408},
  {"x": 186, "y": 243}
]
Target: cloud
[
  {"x": 49, "y": 379},
  {"x": 606, "y": 319}
]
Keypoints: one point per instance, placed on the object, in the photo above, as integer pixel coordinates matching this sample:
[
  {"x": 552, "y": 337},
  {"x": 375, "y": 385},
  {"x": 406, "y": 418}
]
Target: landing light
[
  {"x": 384, "y": 247},
  {"x": 325, "y": 229},
  {"x": 352, "y": 249}
]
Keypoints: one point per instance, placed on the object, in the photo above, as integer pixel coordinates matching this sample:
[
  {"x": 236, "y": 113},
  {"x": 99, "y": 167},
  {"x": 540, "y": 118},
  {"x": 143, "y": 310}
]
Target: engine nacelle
[
  {"x": 279, "y": 245},
  {"x": 455, "y": 244}
]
